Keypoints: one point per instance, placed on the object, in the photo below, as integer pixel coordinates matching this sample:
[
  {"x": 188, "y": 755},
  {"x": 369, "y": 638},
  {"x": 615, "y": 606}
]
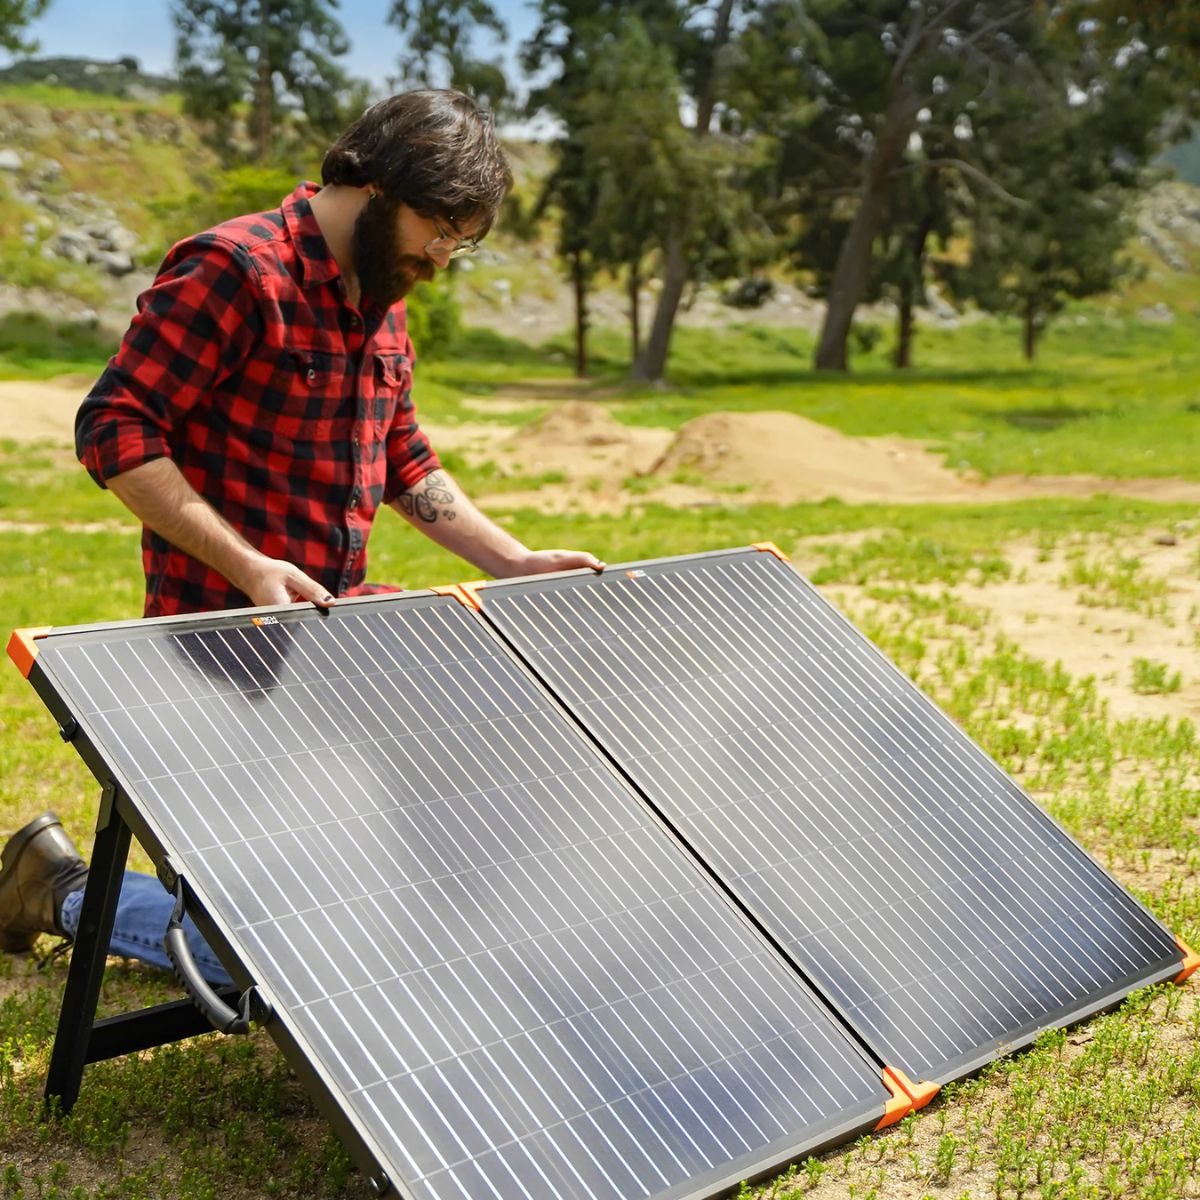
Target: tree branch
[{"x": 966, "y": 168}]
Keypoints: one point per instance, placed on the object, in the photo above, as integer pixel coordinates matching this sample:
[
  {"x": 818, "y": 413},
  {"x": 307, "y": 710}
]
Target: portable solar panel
[
  {"x": 941, "y": 911},
  {"x": 497, "y": 971}
]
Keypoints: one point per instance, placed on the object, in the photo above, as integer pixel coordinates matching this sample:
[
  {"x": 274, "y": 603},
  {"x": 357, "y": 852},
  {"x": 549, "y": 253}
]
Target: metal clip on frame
[{"x": 222, "y": 1018}]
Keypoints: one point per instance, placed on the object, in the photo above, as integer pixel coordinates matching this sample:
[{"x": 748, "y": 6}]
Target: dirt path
[{"x": 598, "y": 464}]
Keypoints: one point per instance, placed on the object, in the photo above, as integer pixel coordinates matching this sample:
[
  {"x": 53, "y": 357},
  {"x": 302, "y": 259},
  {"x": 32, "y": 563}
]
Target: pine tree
[
  {"x": 1077, "y": 154},
  {"x": 694, "y": 34},
  {"x": 278, "y": 58},
  {"x": 439, "y": 36},
  {"x": 15, "y": 15},
  {"x": 636, "y": 153}
]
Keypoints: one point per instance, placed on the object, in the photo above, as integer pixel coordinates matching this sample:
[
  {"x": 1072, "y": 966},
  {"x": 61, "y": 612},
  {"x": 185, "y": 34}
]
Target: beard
[{"x": 386, "y": 272}]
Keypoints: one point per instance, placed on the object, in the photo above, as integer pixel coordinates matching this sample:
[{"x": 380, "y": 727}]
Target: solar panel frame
[
  {"x": 326, "y": 1091},
  {"x": 491, "y": 596}
]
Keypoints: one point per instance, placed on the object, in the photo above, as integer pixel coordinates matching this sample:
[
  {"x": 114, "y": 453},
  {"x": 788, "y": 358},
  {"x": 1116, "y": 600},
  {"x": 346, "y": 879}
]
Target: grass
[
  {"x": 51, "y": 95},
  {"x": 1114, "y": 397},
  {"x": 1105, "y": 1110},
  {"x": 1152, "y": 678}
]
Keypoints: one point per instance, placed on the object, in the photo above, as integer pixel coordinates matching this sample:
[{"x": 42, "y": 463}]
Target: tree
[
  {"x": 276, "y": 56},
  {"x": 863, "y": 74},
  {"x": 1077, "y": 152},
  {"x": 15, "y": 15},
  {"x": 692, "y": 33},
  {"x": 571, "y": 190},
  {"x": 923, "y": 206},
  {"x": 635, "y": 152},
  {"x": 439, "y": 35}
]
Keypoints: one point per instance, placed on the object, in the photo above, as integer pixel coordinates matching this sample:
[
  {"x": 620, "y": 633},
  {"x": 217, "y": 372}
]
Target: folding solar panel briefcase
[{"x": 636, "y": 884}]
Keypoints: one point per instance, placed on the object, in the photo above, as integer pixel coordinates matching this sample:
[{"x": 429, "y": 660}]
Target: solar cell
[
  {"x": 943, "y": 913},
  {"x": 479, "y": 945}
]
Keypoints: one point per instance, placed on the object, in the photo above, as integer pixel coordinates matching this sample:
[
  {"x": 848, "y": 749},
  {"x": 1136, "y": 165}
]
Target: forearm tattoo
[{"x": 434, "y": 499}]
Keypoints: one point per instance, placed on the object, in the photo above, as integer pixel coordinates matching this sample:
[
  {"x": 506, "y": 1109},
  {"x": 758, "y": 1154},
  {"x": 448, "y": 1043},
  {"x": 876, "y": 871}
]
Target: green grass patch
[
  {"x": 52, "y": 95},
  {"x": 1152, "y": 678},
  {"x": 1109, "y": 1109},
  {"x": 33, "y": 346}
]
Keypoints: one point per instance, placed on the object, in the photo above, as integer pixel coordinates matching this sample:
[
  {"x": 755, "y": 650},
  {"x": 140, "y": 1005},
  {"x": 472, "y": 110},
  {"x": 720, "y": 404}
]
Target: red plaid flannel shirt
[{"x": 283, "y": 406}]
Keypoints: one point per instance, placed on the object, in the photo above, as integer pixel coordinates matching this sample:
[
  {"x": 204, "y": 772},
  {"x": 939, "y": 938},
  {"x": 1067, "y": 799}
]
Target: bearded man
[{"x": 259, "y": 412}]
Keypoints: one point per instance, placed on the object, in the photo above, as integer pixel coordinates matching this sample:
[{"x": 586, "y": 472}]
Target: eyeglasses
[{"x": 451, "y": 244}]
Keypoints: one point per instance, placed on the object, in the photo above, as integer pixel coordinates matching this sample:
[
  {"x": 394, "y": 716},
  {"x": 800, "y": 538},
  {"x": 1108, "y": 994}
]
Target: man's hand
[
  {"x": 275, "y": 581},
  {"x": 541, "y": 562}
]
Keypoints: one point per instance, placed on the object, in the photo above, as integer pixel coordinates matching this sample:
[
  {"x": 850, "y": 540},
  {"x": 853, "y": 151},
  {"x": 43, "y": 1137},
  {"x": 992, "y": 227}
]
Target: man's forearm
[
  {"x": 157, "y": 493},
  {"x": 439, "y": 508}
]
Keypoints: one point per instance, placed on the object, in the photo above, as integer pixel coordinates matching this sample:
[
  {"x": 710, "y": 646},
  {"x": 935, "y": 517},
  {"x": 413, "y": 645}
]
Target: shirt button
[{"x": 312, "y": 374}]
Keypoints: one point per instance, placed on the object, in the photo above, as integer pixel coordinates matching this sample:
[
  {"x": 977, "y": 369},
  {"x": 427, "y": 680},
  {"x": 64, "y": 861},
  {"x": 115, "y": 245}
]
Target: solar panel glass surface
[
  {"x": 941, "y": 910},
  {"x": 499, "y": 963}
]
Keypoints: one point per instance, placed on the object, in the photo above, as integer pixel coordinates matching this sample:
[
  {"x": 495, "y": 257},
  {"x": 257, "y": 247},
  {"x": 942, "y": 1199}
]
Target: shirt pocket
[
  {"x": 393, "y": 389},
  {"x": 307, "y": 391}
]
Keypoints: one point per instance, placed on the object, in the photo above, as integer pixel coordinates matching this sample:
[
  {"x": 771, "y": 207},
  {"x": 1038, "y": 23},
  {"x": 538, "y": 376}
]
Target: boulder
[
  {"x": 10, "y": 159},
  {"x": 112, "y": 262},
  {"x": 72, "y": 244},
  {"x": 112, "y": 236}
]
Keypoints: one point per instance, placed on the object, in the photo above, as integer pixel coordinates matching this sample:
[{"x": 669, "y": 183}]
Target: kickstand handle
[{"x": 222, "y": 1018}]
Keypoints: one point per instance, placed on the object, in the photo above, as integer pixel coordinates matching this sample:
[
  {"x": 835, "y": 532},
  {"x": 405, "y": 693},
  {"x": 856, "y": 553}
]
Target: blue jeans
[{"x": 143, "y": 910}]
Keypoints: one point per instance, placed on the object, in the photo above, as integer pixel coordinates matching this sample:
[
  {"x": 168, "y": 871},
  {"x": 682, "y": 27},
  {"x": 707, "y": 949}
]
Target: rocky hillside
[
  {"x": 83, "y": 181},
  {"x": 94, "y": 175}
]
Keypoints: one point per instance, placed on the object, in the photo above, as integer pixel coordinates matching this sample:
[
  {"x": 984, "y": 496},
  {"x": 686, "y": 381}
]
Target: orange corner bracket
[
  {"x": 467, "y": 594},
  {"x": 920, "y": 1093},
  {"x": 898, "y": 1107},
  {"x": 770, "y": 548},
  {"x": 22, "y": 649},
  {"x": 1191, "y": 960}
]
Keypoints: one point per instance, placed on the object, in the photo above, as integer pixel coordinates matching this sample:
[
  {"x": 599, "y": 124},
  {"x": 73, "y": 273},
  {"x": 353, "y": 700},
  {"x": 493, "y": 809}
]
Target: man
[{"x": 258, "y": 413}]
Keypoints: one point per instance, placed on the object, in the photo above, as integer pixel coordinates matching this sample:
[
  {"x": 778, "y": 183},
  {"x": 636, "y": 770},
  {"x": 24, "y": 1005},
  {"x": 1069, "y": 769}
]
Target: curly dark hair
[{"x": 434, "y": 150}]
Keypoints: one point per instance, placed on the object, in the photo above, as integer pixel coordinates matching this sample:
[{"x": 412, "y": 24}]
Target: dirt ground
[{"x": 603, "y": 466}]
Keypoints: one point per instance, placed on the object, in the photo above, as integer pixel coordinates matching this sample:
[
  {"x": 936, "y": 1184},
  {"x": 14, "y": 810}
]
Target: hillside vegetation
[{"x": 94, "y": 186}]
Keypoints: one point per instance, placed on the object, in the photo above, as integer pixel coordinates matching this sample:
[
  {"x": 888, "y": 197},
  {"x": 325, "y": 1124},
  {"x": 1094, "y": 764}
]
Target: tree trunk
[
  {"x": 652, "y": 363},
  {"x": 706, "y": 100},
  {"x": 263, "y": 91},
  {"x": 650, "y": 366},
  {"x": 579, "y": 280},
  {"x": 904, "y": 326},
  {"x": 910, "y": 282},
  {"x": 635, "y": 315},
  {"x": 1029, "y": 339},
  {"x": 854, "y": 258}
]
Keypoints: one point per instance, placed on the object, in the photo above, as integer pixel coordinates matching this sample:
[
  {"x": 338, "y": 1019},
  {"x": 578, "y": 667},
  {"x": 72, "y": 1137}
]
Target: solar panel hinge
[
  {"x": 108, "y": 802},
  {"x": 167, "y": 874}
]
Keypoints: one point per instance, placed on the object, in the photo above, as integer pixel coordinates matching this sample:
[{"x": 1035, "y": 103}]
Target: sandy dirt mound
[
  {"x": 589, "y": 448},
  {"x": 719, "y": 458},
  {"x": 781, "y": 457},
  {"x": 572, "y": 426}
]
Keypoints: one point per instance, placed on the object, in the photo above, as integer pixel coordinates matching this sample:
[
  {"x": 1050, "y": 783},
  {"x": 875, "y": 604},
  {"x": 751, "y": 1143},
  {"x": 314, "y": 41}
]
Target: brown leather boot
[{"x": 39, "y": 869}]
